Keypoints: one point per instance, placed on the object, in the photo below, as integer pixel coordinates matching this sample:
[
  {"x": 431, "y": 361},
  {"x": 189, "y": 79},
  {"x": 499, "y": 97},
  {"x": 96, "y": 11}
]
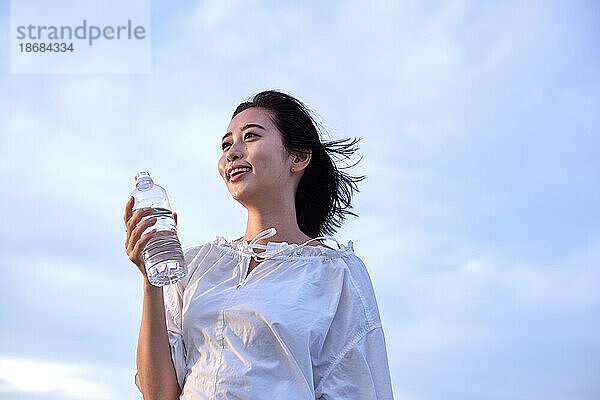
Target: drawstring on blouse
[{"x": 265, "y": 255}]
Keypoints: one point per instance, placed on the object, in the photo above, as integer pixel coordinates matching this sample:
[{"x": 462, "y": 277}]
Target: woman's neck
[{"x": 283, "y": 220}]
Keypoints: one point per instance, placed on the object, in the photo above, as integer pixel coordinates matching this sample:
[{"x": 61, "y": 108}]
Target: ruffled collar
[{"x": 284, "y": 249}]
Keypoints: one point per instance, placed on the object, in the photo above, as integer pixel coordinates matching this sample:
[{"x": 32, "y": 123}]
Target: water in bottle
[{"x": 162, "y": 254}]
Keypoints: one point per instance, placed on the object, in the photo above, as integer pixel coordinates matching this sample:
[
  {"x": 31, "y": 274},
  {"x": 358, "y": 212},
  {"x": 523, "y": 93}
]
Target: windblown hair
[{"x": 324, "y": 194}]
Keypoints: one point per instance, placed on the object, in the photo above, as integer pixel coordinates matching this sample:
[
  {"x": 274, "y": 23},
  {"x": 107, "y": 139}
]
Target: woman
[{"x": 297, "y": 320}]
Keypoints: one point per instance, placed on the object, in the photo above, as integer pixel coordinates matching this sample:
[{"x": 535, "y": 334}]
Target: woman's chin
[
  {"x": 239, "y": 193},
  {"x": 246, "y": 195}
]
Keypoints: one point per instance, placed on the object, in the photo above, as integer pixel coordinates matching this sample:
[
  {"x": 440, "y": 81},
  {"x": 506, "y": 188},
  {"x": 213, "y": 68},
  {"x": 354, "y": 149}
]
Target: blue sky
[{"x": 478, "y": 220}]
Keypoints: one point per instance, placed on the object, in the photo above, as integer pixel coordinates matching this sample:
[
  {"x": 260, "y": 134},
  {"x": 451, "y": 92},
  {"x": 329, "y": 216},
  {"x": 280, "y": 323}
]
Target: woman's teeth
[{"x": 239, "y": 170}]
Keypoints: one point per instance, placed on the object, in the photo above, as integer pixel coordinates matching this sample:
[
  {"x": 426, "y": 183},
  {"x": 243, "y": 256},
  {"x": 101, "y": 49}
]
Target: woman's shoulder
[
  {"x": 190, "y": 253},
  {"x": 196, "y": 257},
  {"x": 362, "y": 287}
]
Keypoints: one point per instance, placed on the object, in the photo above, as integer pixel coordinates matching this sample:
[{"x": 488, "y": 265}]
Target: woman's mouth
[{"x": 238, "y": 175}]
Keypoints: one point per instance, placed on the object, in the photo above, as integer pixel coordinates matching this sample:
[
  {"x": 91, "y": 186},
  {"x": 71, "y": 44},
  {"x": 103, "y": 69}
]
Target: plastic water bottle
[{"x": 162, "y": 254}]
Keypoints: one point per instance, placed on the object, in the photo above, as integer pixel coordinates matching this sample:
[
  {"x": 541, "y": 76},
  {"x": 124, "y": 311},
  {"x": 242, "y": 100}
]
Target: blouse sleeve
[
  {"x": 354, "y": 363},
  {"x": 173, "y": 301},
  {"x": 361, "y": 371}
]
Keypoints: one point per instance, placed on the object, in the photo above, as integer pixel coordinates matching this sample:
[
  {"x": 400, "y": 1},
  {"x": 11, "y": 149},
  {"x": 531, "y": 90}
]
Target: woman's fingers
[
  {"x": 133, "y": 222},
  {"x": 128, "y": 207},
  {"x": 139, "y": 247},
  {"x": 139, "y": 229},
  {"x": 127, "y": 217},
  {"x": 137, "y": 216},
  {"x": 134, "y": 244}
]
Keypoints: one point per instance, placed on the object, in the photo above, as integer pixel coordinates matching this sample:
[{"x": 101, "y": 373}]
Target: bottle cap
[{"x": 142, "y": 175}]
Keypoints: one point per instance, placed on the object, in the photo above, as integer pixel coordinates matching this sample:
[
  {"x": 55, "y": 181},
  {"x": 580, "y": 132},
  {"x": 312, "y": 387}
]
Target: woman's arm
[{"x": 155, "y": 367}]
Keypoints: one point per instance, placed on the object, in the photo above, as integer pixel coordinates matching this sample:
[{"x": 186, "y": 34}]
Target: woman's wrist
[{"x": 150, "y": 288}]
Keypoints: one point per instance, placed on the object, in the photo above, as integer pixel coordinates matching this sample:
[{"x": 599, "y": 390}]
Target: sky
[{"x": 478, "y": 219}]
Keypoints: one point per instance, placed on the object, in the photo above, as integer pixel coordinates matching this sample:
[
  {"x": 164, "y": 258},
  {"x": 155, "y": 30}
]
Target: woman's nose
[{"x": 233, "y": 153}]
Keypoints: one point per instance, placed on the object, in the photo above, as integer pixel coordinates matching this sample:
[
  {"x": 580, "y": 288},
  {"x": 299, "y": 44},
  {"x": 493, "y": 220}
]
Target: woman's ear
[{"x": 301, "y": 160}]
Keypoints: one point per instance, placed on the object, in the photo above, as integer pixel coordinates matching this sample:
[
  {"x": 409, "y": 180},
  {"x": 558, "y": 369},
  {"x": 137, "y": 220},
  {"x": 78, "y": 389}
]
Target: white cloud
[
  {"x": 65, "y": 272},
  {"x": 57, "y": 161},
  {"x": 232, "y": 29},
  {"x": 75, "y": 380},
  {"x": 211, "y": 13}
]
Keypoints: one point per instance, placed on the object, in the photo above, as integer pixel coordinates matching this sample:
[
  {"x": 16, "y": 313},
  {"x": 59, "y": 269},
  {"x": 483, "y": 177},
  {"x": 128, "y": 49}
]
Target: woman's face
[{"x": 253, "y": 141}]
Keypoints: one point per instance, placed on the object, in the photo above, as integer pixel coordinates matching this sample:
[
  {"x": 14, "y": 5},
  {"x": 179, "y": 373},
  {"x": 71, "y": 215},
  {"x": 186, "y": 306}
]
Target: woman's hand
[{"x": 134, "y": 244}]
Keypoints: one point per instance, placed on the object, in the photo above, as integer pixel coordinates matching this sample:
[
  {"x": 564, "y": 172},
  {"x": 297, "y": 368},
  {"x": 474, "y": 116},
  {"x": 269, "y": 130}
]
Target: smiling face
[{"x": 253, "y": 141}]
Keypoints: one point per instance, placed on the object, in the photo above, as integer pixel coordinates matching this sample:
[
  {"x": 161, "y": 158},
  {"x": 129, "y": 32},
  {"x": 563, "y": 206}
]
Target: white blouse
[{"x": 304, "y": 324}]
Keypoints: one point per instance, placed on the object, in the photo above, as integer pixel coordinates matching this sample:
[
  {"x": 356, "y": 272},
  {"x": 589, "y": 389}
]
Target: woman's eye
[{"x": 245, "y": 136}]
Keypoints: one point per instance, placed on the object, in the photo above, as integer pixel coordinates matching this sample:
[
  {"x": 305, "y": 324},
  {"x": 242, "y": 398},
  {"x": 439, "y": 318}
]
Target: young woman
[{"x": 275, "y": 314}]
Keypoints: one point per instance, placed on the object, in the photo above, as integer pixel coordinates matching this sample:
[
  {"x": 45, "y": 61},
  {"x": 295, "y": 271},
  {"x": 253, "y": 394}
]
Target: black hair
[{"x": 324, "y": 193}]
